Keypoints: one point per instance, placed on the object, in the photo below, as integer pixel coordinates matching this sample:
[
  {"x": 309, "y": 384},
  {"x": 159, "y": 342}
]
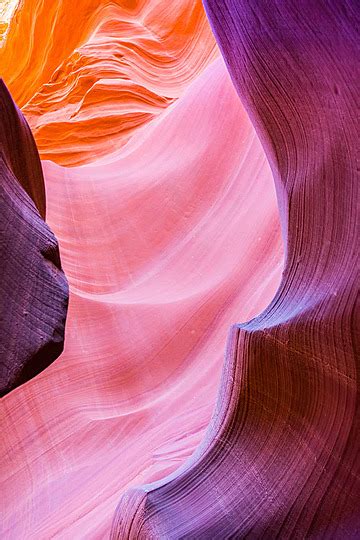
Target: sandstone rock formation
[{"x": 34, "y": 292}]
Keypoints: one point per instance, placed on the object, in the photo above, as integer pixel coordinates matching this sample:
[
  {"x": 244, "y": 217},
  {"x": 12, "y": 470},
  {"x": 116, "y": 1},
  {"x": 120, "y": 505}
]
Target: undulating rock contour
[
  {"x": 281, "y": 455},
  {"x": 164, "y": 243},
  {"x": 108, "y": 69}
]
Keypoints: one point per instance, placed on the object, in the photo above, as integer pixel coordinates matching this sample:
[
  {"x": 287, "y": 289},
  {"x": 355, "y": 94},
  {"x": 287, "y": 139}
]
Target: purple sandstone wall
[
  {"x": 34, "y": 290},
  {"x": 281, "y": 455}
]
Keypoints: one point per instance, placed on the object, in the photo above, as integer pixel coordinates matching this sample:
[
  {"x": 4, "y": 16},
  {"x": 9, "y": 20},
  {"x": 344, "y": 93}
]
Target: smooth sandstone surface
[
  {"x": 281, "y": 455},
  {"x": 164, "y": 206},
  {"x": 164, "y": 243}
]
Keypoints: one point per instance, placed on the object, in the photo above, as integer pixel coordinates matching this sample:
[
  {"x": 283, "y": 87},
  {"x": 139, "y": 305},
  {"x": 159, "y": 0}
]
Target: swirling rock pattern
[
  {"x": 168, "y": 230},
  {"x": 163, "y": 250},
  {"x": 34, "y": 290},
  {"x": 281, "y": 455},
  {"x": 120, "y": 65}
]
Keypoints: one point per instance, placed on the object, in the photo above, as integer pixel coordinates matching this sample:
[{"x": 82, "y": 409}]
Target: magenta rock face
[
  {"x": 281, "y": 455},
  {"x": 34, "y": 291}
]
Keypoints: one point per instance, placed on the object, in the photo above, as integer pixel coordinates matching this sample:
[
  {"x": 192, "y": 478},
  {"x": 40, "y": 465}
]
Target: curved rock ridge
[
  {"x": 109, "y": 68},
  {"x": 165, "y": 243},
  {"x": 280, "y": 458},
  {"x": 34, "y": 292}
]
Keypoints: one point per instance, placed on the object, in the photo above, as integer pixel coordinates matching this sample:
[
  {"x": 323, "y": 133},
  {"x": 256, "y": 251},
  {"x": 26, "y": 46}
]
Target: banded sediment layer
[
  {"x": 198, "y": 178},
  {"x": 281, "y": 455}
]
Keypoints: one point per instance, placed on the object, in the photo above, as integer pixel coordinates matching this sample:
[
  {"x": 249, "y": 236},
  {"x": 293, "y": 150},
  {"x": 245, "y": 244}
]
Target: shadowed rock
[{"x": 34, "y": 291}]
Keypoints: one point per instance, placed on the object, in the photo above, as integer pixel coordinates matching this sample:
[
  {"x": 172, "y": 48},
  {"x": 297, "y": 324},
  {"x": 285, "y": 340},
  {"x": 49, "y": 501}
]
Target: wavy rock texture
[
  {"x": 281, "y": 455},
  {"x": 120, "y": 64},
  {"x": 164, "y": 243},
  {"x": 34, "y": 292}
]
